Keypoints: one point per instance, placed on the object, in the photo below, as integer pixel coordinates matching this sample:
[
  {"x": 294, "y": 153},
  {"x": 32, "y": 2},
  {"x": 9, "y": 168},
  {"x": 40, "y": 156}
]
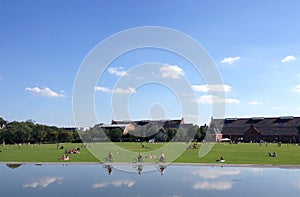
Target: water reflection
[
  {"x": 94, "y": 180},
  {"x": 13, "y": 166},
  {"x": 43, "y": 182}
]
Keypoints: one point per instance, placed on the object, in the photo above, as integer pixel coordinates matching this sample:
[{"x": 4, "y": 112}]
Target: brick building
[{"x": 283, "y": 129}]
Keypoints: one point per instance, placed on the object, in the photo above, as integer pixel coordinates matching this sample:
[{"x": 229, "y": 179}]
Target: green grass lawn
[{"x": 232, "y": 153}]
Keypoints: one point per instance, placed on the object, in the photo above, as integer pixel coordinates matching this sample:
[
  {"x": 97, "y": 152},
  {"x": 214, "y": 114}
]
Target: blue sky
[{"x": 254, "y": 44}]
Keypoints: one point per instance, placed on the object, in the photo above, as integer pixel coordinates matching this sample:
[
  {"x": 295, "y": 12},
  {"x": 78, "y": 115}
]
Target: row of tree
[
  {"x": 115, "y": 134},
  {"x": 28, "y": 131}
]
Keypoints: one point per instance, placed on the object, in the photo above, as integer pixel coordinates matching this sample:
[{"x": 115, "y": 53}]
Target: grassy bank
[{"x": 232, "y": 153}]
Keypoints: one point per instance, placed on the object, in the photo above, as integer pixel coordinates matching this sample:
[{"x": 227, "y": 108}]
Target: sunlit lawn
[{"x": 232, "y": 153}]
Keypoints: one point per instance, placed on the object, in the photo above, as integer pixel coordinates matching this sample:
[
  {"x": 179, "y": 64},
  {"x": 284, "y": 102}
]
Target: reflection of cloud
[
  {"x": 171, "y": 71},
  {"x": 212, "y": 174},
  {"x": 117, "y": 90},
  {"x": 218, "y": 185},
  {"x": 118, "y": 183},
  {"x": 297, "y": 184},
  {"x": 43, "y": 182},
  {"x": 256, "y": 170}
]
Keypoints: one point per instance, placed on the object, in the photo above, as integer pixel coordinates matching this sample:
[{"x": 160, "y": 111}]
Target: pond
[{"x": 177, "y": 180}]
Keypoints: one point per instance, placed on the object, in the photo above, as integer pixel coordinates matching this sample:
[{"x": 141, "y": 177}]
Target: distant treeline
[
  {"x": 98, "y": 134},
  {"x": 28, "y": 131}
]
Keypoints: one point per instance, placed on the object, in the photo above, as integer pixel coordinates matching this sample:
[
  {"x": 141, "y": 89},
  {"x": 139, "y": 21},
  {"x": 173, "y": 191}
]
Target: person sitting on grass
[
  {"x": 162, "y": 157},
  {"x": 110, "y": 157},
  {"x": 65, "y": 157},
  {"x": 221, "y": 159},
  {"x": 140, "y": 157}
]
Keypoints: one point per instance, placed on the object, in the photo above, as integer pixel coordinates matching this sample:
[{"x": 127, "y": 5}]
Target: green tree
[
  {"x": 2, "y": 122},
  {"x": 116, "y": 134}
]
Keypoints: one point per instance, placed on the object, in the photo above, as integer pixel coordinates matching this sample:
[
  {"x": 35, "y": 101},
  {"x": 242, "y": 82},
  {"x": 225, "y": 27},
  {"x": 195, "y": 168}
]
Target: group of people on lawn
[{"x": 66, "y": 157}]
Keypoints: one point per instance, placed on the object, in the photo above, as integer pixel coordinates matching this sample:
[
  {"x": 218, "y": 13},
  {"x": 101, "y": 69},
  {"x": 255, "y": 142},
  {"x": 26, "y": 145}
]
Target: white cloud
[
  {"x": 102, "y": 89},
  {"x": 277, "y": 107},
  {"x": 230, "y": 60},
  {"x": 212, "y": 88},
  {"x": 212, "y": 174},
  {"x": 225, "y": 185},
  {"x": 209, "y": 99},
  {"x": 296, "y": 88},
  {"x": 44, "y": 92},
  {"x": 117, "y": 183},
  {"x": 255, "y": 102},
  {"x": 118, "y": 71},
  {"x": 171, "y": 71},
  {"x": 288, "y": 58},
  {"x": 43, "y": 182},
  {"x": 117, "y": 90}
]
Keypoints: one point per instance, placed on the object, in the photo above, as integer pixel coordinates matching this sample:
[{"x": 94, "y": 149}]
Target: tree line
[
  {"x": 98, "y": 134},
  {"x": 30, "y": 132}
]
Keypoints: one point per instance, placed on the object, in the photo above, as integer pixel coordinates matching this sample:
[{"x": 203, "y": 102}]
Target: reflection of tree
[{"x": 13, "y": 166}]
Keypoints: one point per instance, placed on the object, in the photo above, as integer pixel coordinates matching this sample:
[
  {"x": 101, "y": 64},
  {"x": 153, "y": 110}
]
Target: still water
[{"x": 94, "y": 180}]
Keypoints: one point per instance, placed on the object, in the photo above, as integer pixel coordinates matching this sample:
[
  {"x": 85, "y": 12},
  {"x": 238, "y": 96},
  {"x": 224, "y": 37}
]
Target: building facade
[{"x": 278, "y": 129}]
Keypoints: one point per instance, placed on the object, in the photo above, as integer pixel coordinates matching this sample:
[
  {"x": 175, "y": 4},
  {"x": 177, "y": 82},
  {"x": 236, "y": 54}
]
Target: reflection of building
[{"x": 284, "y": 129}]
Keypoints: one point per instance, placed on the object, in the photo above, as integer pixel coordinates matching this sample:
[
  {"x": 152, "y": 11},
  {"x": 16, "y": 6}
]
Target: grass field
[{"x": 232, "y": 153}]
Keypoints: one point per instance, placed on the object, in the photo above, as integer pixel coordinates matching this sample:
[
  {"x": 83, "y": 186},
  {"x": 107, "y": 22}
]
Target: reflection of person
[
  {"x": 162, "y": 170},
  {"x": 140, "y": 169},
  {"x": 109, "y": 169}
]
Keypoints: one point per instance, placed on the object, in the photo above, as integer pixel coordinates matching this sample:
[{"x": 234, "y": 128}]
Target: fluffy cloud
[
  {"x": 212, "y": 174},
  {"x": 117, "y": 183},
  {"x": 288, "y": 58},
  {"x": 43, "y": 182},
  {"x": 44, "y": 92},
  {"x": 254, "y": 103},
  {"x": 225, "y": 185},
  {"x": 296, "y": 88},
  {"x": 209, "y": 99},
  {"x": 171, "y": 71},
  {"x": 230, "y": 60},
  {"x": 118, "y": 71},
  {"x": 117, "y": 90},
  {"x": 212, "y": 88}
]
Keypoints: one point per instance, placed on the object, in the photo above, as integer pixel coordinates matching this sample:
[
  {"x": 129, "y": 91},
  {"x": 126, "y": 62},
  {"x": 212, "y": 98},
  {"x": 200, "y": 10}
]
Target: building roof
[{"x": 285, "y": 125}]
